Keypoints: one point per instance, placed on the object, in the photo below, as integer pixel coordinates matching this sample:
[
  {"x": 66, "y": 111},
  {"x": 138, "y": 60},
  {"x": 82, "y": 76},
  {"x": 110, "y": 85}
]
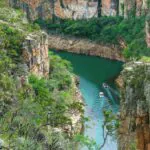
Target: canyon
[{"x": 134, "y": 131}]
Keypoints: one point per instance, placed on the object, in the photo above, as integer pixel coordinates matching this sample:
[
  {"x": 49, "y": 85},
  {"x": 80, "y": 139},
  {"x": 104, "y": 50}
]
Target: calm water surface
[{"x": 93, "y": 72}]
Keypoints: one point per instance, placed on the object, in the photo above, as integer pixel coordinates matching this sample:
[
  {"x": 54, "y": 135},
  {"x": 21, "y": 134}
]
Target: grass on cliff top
[
  {"x": 17, "y": 19},
  {"x": 4, "y": 3},
  {"x": 106, "y": 30},
  {"x": 145, "y": 59}
]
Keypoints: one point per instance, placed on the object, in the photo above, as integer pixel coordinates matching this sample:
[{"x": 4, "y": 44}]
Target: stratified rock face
[
  {"x": 75, "y": 9},
  {"x": 147, "y": 28},
  {"x": 139, "y": 7},
  {"x": 34, "y": 8},
  {"x": 109, "y": 7},
  {"x": 62, "y": 8},
  {"x": 84, "y": 46},
  {"x": 134, "y": 131},
  {"x": 35, "y": 54}
]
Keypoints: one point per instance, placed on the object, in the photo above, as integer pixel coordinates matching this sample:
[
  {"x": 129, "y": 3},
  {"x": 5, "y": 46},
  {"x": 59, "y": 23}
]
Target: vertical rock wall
[
  {"x": 34, "y": 9},
  {"x": 134, "y": 132},
  {"x": 76, "y": 9},
  {"x": 109, "y": 7},
  {"x": 35, "y": 53},
  {"x": 133, "y": 7},
  {"x": 147, "y": 30}
]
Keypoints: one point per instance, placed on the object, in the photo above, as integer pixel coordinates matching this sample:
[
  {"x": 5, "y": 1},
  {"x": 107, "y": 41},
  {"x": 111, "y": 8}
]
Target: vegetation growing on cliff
[
  {"x": 25, "y": 106},
  {"x": 129, "y": 34},
  {"x": 31, "y": 107}
]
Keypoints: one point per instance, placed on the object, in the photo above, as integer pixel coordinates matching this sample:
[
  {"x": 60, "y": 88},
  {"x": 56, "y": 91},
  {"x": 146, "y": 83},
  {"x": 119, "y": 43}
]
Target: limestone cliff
[
  {"x": 147, "y": 30},
  {"x": 134, "y": 132},
  {"x": 84, "y": 46},
  {"x": 78, "y": 9},
  {"x": 75, "y": 9},
  {"x": 135, "y": 7},
  {"x": 35, "y": 53}
]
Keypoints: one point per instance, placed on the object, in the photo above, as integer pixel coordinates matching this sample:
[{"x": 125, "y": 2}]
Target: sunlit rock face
[
  {"x": 137, "y": 7},
  {"x": 34, "y": 9},
  {"x": 109, "y": 7},
  {"x": 35, "y": 54},
  {"x": 75, "y": 9},
  {"x": 147, "y": 30},
  {"x": 62, "y": 8},
  {"x": 134, "y": 131},
  {"x": 84, "y": 46}
]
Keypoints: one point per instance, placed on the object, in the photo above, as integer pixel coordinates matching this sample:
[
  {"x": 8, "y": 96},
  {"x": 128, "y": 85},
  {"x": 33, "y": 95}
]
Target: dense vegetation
[
  {"x": 25, "y": 106},
  {"x": 31, "y": 107},
  {"x": 129, "y": 33}
]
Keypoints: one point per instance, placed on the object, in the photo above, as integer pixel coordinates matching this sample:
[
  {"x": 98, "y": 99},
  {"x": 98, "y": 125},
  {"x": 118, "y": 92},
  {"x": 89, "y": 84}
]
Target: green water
[{"x": 93, "y": 72}]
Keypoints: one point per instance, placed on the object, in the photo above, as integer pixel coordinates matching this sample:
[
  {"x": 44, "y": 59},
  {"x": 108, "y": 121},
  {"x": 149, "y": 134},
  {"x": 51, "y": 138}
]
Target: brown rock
[
  {"x": 135, "y": 112},
  {"x": 84, "y": 46},
  {"x": 35, "y": 53}
]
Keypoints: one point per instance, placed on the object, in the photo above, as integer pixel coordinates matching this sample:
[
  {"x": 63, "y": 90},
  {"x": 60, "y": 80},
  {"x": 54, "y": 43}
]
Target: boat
[
  {"x": 101, "y": 94},
  {"x": 105, "y": 85}
]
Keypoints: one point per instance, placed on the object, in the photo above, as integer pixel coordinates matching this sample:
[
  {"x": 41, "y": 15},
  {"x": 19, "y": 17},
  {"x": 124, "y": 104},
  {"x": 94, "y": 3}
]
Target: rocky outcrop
[
  {"x": 44, "y": 9},
  {"x": 147, "y": 30},
  {"x": 109, "y": 7},
  {"x": 84, "y": 46},
  {"x": 78, "y": 9},
  {"x": 134, "y": 132},
  {"x": 35, "y": 53},
  {"x": 34, "y": 9},
  {"x": 75, "y": 9},
  {"x": 133, "y": 7}
]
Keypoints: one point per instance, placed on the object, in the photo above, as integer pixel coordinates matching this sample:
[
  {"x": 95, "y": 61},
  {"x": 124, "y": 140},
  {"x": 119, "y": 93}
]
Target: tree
[{"x": 110, "y": 125}]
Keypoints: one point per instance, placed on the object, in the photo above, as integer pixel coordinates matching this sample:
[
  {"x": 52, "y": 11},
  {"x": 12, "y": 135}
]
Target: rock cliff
[
  {"x": 75, "y": 9},
  {"x": 83, "y": 46},
  {"x": 134, "y": 132},
  {"x": 147, "y": 30},
  {"x": 133, "y": 7},
  {"x": 35, "y": 53},
  {"x": 80, "y": 9}
]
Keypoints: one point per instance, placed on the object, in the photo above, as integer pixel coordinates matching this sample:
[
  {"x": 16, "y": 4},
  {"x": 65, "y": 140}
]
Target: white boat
[
  {"x": 105, "y": 85},
  {"x": 101, "y": 94}
]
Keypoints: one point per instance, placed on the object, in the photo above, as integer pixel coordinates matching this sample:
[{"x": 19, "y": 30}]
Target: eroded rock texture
[
  {"x": 109, "y": 7},
  {"x": 133, "y": 7},
  {"x": 147, "y": 30},
  {"x": 33, "y": 8},
  {"x": 84, "y": 46},
  {"x": 35, "y": 53},
  {"x": 135, "y": 107},
  {"x": 75, "y": 9}
]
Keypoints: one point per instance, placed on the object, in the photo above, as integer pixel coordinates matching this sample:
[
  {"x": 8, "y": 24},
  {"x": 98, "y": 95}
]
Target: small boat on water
[
  {"x": 105, "y": 85},
  {"x": 101, "y": 94}
]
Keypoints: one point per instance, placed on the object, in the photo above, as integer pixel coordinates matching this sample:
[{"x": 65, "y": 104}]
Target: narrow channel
[{"x": 93, "y": 72}]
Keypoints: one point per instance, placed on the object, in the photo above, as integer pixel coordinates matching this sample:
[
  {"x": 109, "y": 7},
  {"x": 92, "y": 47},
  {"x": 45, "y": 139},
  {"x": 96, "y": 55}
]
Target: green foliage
[
  {"x": 145, "y": 59},
  {"x": 111, "y": 123},
  {"x": 86, "y": 141},
  {"x": 60, "y": 76},
  {"x": 11, "y": 40},
  {"x": 3, "y": 3},
  {"x": 107, "y": 30},
  {"x": 24, "y": 110},
  {"x": 25, "y": 106}
]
